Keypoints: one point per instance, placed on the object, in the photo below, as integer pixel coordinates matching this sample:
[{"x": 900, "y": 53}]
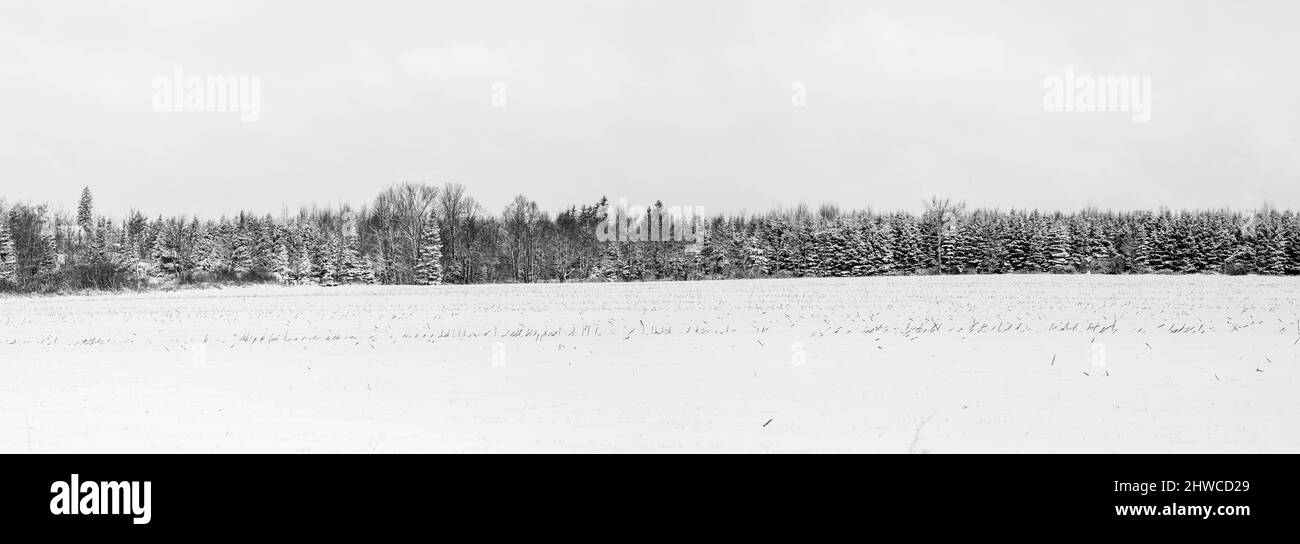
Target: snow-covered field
[{"x": 919, "y": 364}]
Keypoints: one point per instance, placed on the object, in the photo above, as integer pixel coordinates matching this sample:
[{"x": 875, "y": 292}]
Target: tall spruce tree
[
  {"x": 304, "y": 271},
  {"x": 428, "y": 264},
  {"x": 906, "y": 244},
  {"x": 880, "y": 246},
  {"x": 354, "y": 267},
  {"x": 8, "y": 252},
  {"x": 241, "y": 251},
  {"x": 1017, "y": 244},
  {"x": 86, "y": 211},
  {"x": 1292, "y": 227},
  {"x": 331, "y": 260},
  {"x": 756, "y": 260},
  {"x": 1141, "y": 250},
  {"x": 1270, "y": 248},
  {"x": 1059, "y": 250},
  {"x": 98, "y": 252},
  {"x": 281, "y": 265}
]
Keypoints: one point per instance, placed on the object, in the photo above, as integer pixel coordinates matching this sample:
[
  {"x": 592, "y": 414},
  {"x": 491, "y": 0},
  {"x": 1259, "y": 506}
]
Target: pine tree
[
  {"x": 1141, "y": 250},
  {"x": 994, "y": 247},
  {"x": 311, "y": 254},
  {"x": 303, "y": 271},
  {"x": 428, "y": 264},
  {"x": 1017, "y": 244},
  {"x": 281, "y": 265},
  {"x": 8, "y": 253},
  {"x": 1038, "y": 236},
  {"x": 906, "y": 244},
  {"x": 1224, "y": 238},
  {"x": 206, "y": 256},
  {"x": 721, "y": 243},
  {"x": 241, "y": 252},
  {"x": 354, "y": 267},
  {"x": 879, "y": 237},
  {"x": 977, "y": 244},
  {"x": 798, "y": 244},
  {"x": 1270, "y": 249},
  {"x": 99, "y": 244},
  {"x": 948, "y": 262},
  {"x": 160, "y": 255},
  {"x": 827, "y": 256},
  {"x": 779, "y": 235},
  {"x": 1059, "y": 249},
  {"x": 1200, "y": 243},
  {"x": 86, "y": 210},
  {"x": 1181, "y": 243},
  {"x": 265, "y": 246},
  {"x": 814, "y": 263},
  {"x": 965, "y": 250},
  {"x": 607, "y": 268},
  {"x": 756, "y": 257},
  {"x": 717, "y": 249},
  {"x": 331, "y": 261},
  {"x": 1099, "y": 250},
  {"x": 1293, "y": 245}
]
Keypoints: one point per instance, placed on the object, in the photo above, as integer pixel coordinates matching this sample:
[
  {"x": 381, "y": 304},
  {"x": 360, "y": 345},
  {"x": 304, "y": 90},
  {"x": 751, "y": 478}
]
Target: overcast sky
[{"x": 688, "y": 101}]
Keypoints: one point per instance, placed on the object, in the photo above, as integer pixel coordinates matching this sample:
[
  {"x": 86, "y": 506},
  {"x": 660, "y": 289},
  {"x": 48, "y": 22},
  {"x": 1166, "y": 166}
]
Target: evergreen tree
[
  {"x": 304, "y": 271},
  {"x": 1293, "y": 245},
  {"x": 906, "y": 245},
  {"x": 853, "y": 255},
  {"x": 1182, "y": 248},
  {"x": 879, "y": 239},
  {"x": 206, "y": 257},
  {"x": 608, "y": 267},
  {"x": 241, "y": 252},
  {"x": 1205, "y": 241},
  {"x": 86, "y": 210},
  {"x": 1158, "y": 255},
  {"x": 99, "y": 244},
  {"x": 281, "y": 267},
  {"x": 718, "y": 246},
  {"x": 428, "y": 264},
  {"x": 331, "y": 261},
  {"x": 635, "y": 263},
  {"x": 160, "y": 255},
  {"x": 1017, "y": 244},
  {"x": 312, "y": 256},
  {"x": 1059, "y": 249},
  {"x": 756, "y": 257},
  {"x": 265, "y": 245},
  {"x": 828, "y": 257},
  {"x": 8, "y": 253},
  {"x": 965, "y": 249},
  {"x": 1142, "y": 250},
  {"x": 1039, "y": 256},
  {"x": 948, "y": 261},
  {"x": 817, "y": 257},
  {"x": 354, "y": 267},
  {"x": 1270, "y": 249}
]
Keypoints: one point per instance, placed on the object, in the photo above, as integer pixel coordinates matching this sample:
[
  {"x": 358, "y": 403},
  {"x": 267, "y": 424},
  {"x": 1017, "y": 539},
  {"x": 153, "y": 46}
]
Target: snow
[{"x": 886, "y": 364}]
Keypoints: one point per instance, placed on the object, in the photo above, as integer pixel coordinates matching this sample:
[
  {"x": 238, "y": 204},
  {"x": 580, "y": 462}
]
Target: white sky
[{"x": 687, "y": 101}]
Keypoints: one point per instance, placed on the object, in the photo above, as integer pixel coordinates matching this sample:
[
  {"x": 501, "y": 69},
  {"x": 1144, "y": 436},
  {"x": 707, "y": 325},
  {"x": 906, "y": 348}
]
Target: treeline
[{"x": 426, "y": 235}]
